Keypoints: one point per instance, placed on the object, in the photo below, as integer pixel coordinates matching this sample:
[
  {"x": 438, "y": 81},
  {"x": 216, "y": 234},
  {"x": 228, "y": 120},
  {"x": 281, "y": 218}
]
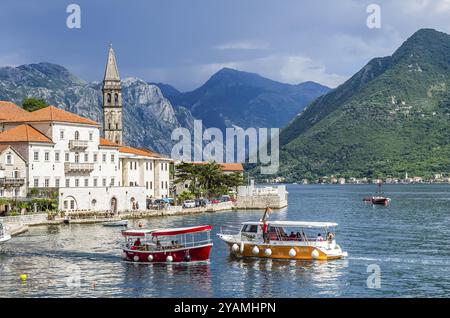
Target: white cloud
[{"x": 244, "y": 45}]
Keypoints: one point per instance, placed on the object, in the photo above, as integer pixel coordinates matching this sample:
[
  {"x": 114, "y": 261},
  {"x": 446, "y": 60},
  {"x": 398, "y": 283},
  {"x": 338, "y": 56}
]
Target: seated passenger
[
  {"x": 319, "y": 238},
  {"x": 330, "y": 236},
  {"x": 299, "y": 236},
  {"x": 137, "y": 243},
  {"x": 292, "y": 236}
]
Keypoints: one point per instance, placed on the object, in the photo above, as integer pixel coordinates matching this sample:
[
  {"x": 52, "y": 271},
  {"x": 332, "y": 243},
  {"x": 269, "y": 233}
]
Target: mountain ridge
[{"x": 389, "y": 119}]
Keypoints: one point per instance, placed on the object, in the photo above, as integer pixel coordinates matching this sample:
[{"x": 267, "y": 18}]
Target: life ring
[
  {"x": 255, "y": 250},
  {"x": 135, "y": 258},
  {"x": 150, "y": 258},
  {"x": 268, "y": 252},
  {"x": 169, "y": 259},
  {"x": 292, "y": 252}
]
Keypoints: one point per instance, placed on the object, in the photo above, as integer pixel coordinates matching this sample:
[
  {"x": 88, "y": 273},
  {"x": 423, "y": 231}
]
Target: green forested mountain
[{"x": 390, "y": 118}]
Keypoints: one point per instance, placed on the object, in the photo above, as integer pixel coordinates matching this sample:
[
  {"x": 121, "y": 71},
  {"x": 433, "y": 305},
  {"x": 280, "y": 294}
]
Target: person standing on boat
[{"x": 265, "y": 231}]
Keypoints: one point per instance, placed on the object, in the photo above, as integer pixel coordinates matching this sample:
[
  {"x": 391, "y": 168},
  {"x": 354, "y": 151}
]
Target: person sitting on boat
[
  {"x": 137, "y": 243},
  {"x": 319, "y": 238},
  {"x": 330, "y": 236},
  {"x": 298, "y": 236},
  {"x": 292, "y": 236}
]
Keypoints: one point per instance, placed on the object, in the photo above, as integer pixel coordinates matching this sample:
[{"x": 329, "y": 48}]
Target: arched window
[
  {"x": 116, "y": 98},
  {"x": 108, "y": 98},
  {"x": 77, "y": 135}
]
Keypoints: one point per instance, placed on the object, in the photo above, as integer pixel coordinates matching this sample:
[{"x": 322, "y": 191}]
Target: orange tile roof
[
  {"x": 50, "y": 113},
  {"x": 107, "y": 143},
  {"x": 139, "y": 152},
  {"x": 226, "y": 166},
  {"x": 23, "y": 133},
  {"x": 3, "y": 147},
  {"x": 10, "y": 110}
]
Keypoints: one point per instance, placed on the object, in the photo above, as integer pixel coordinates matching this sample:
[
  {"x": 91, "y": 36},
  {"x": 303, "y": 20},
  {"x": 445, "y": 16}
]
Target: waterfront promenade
[{"x": 16, "y": 225}]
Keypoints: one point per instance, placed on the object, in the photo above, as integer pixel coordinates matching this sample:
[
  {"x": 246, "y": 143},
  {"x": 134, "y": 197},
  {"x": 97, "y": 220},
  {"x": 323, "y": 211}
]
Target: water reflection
[{"x": 406, "y": 240}]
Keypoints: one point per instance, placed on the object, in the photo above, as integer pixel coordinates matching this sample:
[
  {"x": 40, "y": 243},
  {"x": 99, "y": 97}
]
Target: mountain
[
  {"x": 390, "y": 118},
  {"x": 149, "y": 118},
  {"x": 167, "y": 90},
  {"x": 232, "y": 97}
]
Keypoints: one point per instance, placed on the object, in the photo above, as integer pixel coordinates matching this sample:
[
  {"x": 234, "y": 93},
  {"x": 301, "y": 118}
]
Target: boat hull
[
  {"x": 193, "y": 254},
  {"x": 285, "y": 252},
  {"x": 383, "y": 201}
]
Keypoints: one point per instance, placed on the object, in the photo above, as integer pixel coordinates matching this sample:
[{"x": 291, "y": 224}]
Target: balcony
[
  {"x": 78, "y": 144},
  {"x": 78, "y": 167},
  {"x": 11, "y": 182}
]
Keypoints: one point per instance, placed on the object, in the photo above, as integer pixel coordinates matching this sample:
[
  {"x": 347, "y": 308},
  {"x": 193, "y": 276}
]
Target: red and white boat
[{"x": 187, "y": 244}]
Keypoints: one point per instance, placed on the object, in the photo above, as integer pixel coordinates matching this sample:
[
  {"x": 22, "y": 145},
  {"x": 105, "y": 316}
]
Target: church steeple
[{"x": 112, "y": 101}]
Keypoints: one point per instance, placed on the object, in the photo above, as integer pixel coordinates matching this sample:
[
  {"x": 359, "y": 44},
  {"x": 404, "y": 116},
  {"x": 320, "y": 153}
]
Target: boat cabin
[
  {"x": 167, "y": 239},
  {"x": 285, "y": 231}
]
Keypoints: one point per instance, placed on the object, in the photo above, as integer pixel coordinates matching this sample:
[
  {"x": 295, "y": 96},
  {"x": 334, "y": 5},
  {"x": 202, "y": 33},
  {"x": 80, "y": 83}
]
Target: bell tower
[{"x": 112, "y": 101}]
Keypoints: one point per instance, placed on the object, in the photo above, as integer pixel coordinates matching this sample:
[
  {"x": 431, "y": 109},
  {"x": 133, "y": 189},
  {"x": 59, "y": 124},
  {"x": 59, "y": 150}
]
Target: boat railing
[{"x": 168, "y": 247}]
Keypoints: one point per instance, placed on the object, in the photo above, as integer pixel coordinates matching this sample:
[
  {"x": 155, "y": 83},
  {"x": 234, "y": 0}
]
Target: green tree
[{"x": 32, "y": 104}]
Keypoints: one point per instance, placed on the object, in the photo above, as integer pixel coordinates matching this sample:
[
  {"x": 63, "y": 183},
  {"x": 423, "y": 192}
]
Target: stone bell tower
[{"x": 112, "y": 101}]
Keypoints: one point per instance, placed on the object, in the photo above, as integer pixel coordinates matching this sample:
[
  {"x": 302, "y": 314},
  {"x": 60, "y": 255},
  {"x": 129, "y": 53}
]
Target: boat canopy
[
  {"x": 182, "y": 230},
  {"x": 307, "y": 225},
  {"x": 137, "y": 232}
]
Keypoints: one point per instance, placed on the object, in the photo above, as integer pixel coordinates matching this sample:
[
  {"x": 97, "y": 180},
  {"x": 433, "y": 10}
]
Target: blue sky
[{"x": 183, "y": 42}]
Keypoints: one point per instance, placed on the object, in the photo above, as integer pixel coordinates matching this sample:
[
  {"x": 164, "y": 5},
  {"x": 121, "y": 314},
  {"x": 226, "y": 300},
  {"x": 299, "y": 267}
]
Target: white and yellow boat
[{"x": 285, "y": 240}]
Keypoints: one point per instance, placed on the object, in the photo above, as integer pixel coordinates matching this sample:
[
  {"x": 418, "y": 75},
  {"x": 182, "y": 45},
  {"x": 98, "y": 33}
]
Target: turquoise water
[{"x": 409, "y": 241}]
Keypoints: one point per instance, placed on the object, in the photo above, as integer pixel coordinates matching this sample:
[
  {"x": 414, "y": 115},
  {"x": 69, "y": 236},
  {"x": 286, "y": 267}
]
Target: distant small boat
[
  {"x": 378, "y": 199},
  {"x": 116, "y": 223}
]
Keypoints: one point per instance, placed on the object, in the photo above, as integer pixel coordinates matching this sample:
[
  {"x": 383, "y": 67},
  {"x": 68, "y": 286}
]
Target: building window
[
  {"x": 104, "y": 158},
  {"x": 95, "y": 157},
  {"x": 86, "y": 182},
  {"x": 9, "y": 159},
  {"x": 66, "y": 205},
  {"x": 77, "y": 135},
  {"x": 104, "y": 182},
  {"x": 146, "y": 185},
  {"x": 162, "y": 184},
  {"x": 72, "y": 204},
  {"x": 67, "y": 156},
  {"x": 116, "y": 98},
  {"x": 151, "y": 185},
  {"x": 86, "y": 157},
  {"x": 112, "y": 182},
  {"x": 77, "y": 183},
  {"x": 151, "y": 165},
  {"x": 47, "y": 156},
  {"x": 67, "y": 183},
  {"x": 108, "y": 98},
  {"x": 47, "y": 183},
  {"x": 16, "y": 192},
  {"x": 36, "y": 156},
  {"x": 166, "y": 185},
  {"x": 135, "y": 165},
  {"x": 131, "y": 165},
  {"x": 56, "y": 156},
  {"x": 56, "y": 183},
  {"x": 91, "y": 136},
  {"x": 16, "y": 174},
  {"x": 36, "y": 183},
  {"x": 77, "y": 157},
  {"x": 61, "y": 134},
  {"x": 95, "y": 182},
  {"x": 112, "y": 158}
]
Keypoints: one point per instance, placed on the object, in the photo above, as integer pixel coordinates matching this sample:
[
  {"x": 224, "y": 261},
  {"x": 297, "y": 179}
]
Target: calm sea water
[{"x": 409, "y": 241}]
